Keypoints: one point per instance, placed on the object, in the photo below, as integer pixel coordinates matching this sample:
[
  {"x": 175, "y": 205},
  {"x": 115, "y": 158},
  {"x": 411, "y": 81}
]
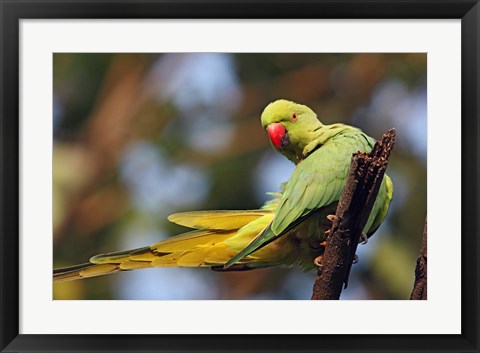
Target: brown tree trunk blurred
[{"x": 419, "y": 291}]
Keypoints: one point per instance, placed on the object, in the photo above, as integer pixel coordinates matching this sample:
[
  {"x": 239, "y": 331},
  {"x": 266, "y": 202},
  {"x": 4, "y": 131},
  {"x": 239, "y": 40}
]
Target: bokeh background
[{"x": 140, "y": 136}]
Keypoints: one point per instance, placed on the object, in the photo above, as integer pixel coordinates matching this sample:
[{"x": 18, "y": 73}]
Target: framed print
[{"x": 145, "y": 144}]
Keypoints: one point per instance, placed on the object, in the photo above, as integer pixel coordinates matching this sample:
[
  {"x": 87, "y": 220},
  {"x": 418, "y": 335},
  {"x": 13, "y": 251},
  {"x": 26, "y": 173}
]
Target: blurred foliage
[{"x": 140, "y": 136}]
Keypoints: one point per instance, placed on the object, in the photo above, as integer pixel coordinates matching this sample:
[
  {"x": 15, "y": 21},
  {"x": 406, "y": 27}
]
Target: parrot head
[{"x": 290, "y": 127}]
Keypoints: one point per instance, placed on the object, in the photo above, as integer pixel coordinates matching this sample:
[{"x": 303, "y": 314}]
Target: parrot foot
[
  {"x": 355, "y": 259},
  {"x": 363, "y": 238},
  {"x": 318, "y": 261},
  {"x": 331, "y": 218}
]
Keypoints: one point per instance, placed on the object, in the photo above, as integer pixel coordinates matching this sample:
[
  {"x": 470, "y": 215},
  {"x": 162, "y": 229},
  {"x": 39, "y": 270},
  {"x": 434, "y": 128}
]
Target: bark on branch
[
  {"x": 354, "y": 207},
  {"x": 420, "y": 287}
]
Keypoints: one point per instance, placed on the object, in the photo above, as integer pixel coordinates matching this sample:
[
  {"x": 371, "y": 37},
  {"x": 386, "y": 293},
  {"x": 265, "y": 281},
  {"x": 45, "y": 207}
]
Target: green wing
[
  {"x": 319, "y": 179},
  {"x": 316, "y": 182}
]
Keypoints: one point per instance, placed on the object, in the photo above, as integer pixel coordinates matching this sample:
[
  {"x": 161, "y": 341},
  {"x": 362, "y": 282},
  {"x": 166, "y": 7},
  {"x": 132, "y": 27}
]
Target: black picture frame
[{"x": 12, "y": 11}]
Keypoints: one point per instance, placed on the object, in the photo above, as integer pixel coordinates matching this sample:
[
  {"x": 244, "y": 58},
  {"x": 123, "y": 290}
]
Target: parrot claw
[
  {"x": 355, "y": 259},
  {"x": 331, "y": 217},
  {"x": 318, "y": 261},
  {"x": 363, "y": 238}
]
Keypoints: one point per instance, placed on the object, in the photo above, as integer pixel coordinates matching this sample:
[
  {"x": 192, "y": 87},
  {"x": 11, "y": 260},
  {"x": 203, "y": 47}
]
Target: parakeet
[{"x": 287, "y": 230}]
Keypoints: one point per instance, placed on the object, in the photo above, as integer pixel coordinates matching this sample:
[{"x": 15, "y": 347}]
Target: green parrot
[{"x": 289, "y": 230}]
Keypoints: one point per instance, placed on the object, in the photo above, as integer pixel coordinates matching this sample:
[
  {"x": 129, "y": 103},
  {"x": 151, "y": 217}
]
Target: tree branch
[
  {"x": 354, "y": 207},
  {"x": 419, "y": 291}
]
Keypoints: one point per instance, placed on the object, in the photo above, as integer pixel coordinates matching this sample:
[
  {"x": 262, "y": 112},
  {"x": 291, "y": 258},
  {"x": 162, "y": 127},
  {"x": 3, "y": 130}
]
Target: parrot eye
[{"x": 294, "y": 117}]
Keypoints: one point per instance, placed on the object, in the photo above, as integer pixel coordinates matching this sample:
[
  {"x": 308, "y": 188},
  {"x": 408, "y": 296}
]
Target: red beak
[{"x": 277, "y": 133}]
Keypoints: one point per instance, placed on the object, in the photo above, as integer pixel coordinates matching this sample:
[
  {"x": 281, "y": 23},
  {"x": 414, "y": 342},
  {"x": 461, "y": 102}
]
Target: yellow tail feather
[
  {"x": 201, "y": 247},
  {"x": 218, "y": 220},
  {"x": 187, "y": 250},
  {"x": 83, "y": 271}
]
